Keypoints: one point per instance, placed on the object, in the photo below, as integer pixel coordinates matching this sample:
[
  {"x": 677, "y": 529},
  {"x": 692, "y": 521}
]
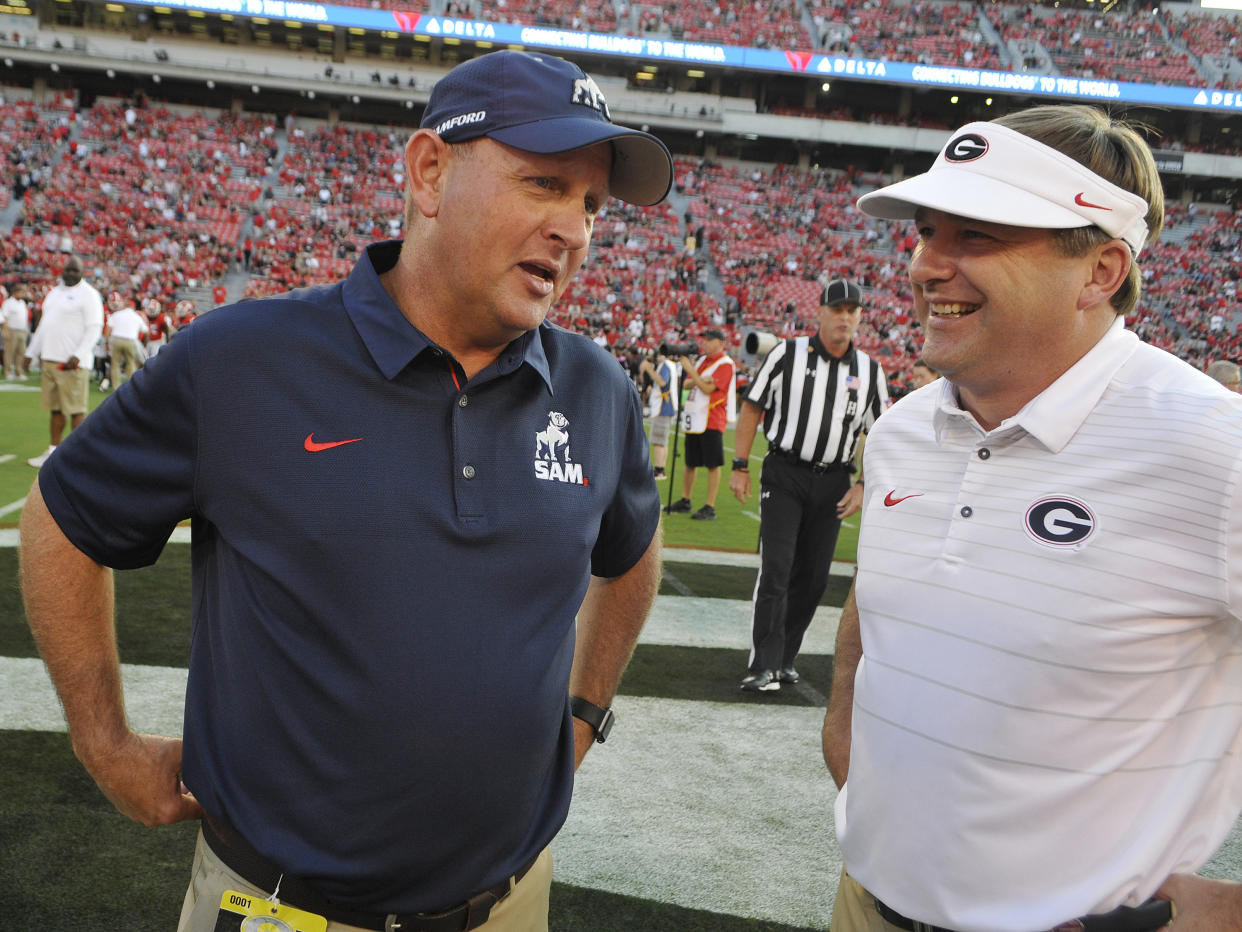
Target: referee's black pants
[{"x": 798, "y": 528}]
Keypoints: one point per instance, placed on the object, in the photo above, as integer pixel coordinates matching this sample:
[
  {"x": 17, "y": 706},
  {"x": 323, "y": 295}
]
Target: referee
[{"x": 815, "y": 395}]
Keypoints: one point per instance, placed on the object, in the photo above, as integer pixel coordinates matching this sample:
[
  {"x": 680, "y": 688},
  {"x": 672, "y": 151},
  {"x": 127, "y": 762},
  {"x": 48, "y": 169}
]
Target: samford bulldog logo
[
  {"x": 587, "y": 93},
  {"x": 552, "y": 453}
]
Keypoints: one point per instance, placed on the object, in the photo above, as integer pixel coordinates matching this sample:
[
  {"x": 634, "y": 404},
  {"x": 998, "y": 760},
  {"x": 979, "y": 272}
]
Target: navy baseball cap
[{"x": 546, "y": 105}]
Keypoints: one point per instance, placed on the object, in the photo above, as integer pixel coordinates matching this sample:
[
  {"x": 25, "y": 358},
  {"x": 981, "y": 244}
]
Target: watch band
[
  {"x": 741, "y": 464},
  {"x": 600, "y": 720}
]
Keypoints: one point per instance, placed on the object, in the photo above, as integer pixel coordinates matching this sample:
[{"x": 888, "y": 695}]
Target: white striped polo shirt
[{"x": 1048, "y": 713}]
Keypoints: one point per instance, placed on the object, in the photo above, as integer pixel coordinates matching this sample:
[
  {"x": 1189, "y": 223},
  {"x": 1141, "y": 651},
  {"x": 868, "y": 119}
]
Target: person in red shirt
[
  {"x": 704, "y": 416},
  {"x": 160, "y": 326}
]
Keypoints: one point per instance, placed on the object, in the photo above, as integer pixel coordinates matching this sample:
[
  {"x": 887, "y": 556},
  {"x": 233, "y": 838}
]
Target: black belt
[
  {"x": 817, "y": 468},
  {"x": 1154, "y": 914},
  {"x": 240, "y": 857}
]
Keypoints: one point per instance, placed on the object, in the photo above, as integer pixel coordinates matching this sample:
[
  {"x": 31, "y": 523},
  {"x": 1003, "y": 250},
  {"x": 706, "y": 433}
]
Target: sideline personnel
[
  {"x": 1038, "y": 694},
  {"x": 815, "y": 395},
  {"x": 378, "y": 717},
  {"x": 69, "y": 328}
]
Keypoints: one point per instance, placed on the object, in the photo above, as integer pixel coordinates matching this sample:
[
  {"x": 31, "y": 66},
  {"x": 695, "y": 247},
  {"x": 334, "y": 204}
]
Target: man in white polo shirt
[
  {"x": 1038, "y": 692},
  {"x": 124, "y": 328},
  {"x": 15, "y": 321},
  {"x": 71, "y": 323}
]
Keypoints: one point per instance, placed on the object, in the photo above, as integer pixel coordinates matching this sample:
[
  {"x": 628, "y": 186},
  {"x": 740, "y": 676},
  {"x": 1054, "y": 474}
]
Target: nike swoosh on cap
[
  {"x": 1083, "y": 202},
  {"x": 891, "y": 498},
  {"x": 312, "y": 446}
]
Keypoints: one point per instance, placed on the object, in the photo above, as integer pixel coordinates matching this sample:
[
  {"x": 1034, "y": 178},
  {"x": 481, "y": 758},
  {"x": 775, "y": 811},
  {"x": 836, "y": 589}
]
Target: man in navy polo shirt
[{"x": 403, "y": 488}]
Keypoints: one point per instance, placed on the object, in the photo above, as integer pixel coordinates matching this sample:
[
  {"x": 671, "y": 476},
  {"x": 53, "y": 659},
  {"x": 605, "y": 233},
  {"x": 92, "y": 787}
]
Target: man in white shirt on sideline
[
  {"x": 1038, "y": 693},
  {"x": 124, "y": 328},
  {"x": 15, "y": 320},
  {"x": 71, "y": 324}
]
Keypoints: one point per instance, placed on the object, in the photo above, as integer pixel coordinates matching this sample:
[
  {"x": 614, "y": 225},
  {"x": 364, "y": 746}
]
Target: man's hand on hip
[
  {"x": 1203, "y": 905},
  {"x": 143, "y": 780}
]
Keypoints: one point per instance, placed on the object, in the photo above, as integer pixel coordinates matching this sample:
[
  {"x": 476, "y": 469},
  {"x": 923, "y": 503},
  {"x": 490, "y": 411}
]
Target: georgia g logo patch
[
  {"x": 966, "y": 148},
  {"x": 1060, "y": 521}
]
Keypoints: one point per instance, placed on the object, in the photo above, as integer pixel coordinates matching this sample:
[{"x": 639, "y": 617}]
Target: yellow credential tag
[{"x": 260, "y": 915}]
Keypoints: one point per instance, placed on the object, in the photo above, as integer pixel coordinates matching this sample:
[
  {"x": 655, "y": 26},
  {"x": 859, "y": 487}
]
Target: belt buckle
[{"x": 820, "y": 468}]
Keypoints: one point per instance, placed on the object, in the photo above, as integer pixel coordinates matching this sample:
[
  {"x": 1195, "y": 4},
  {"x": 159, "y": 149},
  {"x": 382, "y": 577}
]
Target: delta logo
[{"x": 552, "y": 462}]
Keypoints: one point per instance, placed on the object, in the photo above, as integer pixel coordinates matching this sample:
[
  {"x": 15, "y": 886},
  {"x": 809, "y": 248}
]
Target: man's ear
[
  {"x": 427, "y": 157},
  {"x": 1110, "y": 265}
]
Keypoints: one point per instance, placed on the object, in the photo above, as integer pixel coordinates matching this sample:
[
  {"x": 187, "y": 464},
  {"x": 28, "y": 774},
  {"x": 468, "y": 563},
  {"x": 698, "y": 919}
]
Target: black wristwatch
[
  {"x": 741, "y": 464},
  {"x": 599, "y": 719}
]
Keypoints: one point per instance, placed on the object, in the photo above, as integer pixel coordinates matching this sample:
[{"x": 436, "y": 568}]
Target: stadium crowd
[
  {"x": 167, "y": 204},
  {"x": 1127, "y": 42}
]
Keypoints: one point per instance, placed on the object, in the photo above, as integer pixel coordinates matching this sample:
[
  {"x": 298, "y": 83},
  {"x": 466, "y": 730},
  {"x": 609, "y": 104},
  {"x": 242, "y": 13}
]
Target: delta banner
[{"x": 653, "y": 49}]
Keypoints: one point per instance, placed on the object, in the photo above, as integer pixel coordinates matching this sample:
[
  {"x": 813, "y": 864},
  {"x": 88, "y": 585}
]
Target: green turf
[
  {"x": 577, "y": 909},
  {"x": 712, "y": 674},
  {"x": 23, "y": 432},
  {"x": 70, "y": 862},
  {"x": 153, "y": 615},
  {"x": 730, "y": 582},
  {"x": 153, "y": 611}
]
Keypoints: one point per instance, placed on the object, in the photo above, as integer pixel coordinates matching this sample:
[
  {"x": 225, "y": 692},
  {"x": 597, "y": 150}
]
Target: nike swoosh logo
[
  {"x": 314, "y": 447},
  {"x": 891, "y": 498},
  {"x": 1083, "y": 202}
]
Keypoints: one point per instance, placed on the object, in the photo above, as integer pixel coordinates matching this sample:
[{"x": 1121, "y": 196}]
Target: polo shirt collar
[
  {"x": 1054, "y": 415},
  {"x": 393, "y": 341}
]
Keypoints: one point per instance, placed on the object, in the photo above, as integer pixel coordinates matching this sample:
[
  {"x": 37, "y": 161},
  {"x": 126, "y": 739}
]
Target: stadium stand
[{"x": 165, "y": 198}]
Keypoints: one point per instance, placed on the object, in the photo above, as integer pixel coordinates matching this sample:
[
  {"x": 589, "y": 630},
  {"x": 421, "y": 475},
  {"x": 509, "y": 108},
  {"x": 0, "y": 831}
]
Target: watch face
[{"x": 601, "y": 731}]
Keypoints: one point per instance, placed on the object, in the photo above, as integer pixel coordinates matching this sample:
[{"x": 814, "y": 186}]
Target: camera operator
[
  {"x": 662, "y": 405},
  {"x": 704, "y": 417}
]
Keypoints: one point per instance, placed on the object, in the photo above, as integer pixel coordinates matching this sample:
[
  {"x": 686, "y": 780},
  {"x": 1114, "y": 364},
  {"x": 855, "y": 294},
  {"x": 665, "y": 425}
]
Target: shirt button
[
  {"x": 966, "y": 511},
  {"x": 468, "y": 471},
  {"x": 462, "y": 401},
  {"x": 984, "y": 453}
]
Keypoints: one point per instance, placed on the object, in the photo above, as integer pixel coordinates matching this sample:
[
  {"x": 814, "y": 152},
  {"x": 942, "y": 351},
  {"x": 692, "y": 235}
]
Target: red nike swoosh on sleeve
[
  {"x": 312, "y": 446},
  {"x": 891, "y": 498}
]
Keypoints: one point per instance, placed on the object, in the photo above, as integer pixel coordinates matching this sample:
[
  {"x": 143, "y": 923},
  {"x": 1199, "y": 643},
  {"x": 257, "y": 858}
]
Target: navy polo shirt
[{"x": 386, "y": 574}]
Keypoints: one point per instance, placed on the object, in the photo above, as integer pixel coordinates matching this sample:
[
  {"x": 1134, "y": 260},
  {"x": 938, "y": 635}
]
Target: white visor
[{"x": 990, "y": 172}]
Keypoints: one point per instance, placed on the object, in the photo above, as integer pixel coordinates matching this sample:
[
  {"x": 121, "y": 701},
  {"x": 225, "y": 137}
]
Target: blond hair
[{"x": 1114, "y": 150}]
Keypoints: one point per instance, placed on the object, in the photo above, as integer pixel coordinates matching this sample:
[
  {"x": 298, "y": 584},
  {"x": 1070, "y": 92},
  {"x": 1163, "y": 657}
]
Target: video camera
[
  {"x": 758, "y": 343},
  {"x": 673, "y": 350}
]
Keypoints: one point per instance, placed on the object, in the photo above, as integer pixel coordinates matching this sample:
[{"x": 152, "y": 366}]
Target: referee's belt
[
  {"x": 238, "y": 855},
  {"x": 817, "y": 468},
  {"x": 1154, "y": 914}
]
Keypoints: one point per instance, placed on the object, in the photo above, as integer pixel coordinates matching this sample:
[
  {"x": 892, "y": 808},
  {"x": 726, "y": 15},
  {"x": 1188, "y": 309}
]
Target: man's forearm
[
  {"x": 839, "y": 717},
  {"x": 69, "y": 606},
  {"x": 747, "y": 426},
  {"x": 609, "y": 622}
]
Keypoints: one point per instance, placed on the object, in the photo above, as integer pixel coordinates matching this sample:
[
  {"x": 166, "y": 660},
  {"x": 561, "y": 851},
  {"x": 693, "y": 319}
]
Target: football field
[{"x": 708, "y": 810}]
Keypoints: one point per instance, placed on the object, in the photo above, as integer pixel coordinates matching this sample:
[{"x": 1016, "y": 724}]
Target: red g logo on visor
[{"x": 966, "y": 148}]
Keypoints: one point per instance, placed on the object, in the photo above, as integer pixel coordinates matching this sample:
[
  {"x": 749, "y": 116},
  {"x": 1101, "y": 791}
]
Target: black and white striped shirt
[{"x": 815, "y": 405}]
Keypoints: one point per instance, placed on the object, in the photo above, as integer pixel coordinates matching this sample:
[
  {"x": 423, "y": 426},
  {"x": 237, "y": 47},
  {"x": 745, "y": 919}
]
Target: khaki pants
[
  {"x": 14, "y": 351},
  {"x": 525, "y": 909},
  {"x": 126, "y": 357},
  {"x": 855, "y": 911},
  {"x": 64, "y": 390}
]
